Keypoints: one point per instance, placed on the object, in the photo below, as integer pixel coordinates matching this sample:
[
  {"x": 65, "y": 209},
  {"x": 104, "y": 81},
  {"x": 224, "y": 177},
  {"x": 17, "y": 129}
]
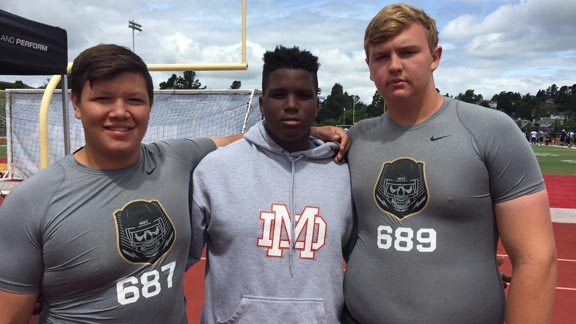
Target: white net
[{"x": 175, "y": 114}]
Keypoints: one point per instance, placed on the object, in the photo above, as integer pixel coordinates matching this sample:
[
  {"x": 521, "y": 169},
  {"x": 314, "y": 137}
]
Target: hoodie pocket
[{"x": 272, "y": 310}]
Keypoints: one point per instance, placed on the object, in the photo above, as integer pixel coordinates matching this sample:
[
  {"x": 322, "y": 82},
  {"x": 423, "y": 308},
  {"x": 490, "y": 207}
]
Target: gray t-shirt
[
  {"x": 424, "y": 196},
  {"x": 103, "y": 246}
]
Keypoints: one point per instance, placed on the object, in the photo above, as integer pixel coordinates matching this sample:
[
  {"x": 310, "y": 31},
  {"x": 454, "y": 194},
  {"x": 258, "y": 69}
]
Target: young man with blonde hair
[{"x": 436, "y": 183}]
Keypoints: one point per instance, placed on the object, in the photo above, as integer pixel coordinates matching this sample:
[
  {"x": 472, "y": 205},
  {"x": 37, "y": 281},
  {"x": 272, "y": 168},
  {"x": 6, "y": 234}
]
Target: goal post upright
[{"x": 44, "y": 107}]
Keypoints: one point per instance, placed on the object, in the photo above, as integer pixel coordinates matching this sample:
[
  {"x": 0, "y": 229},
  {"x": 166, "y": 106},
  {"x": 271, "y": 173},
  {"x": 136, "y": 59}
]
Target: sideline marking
[
  {"x": 561, "y": 260},
  {"x": 563, "y": 215},
  {"x": 566, "y": 260}
]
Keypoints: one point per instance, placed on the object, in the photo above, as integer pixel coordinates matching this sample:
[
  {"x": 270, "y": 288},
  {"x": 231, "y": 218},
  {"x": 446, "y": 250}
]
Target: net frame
[{"x": 174, "y": 114}]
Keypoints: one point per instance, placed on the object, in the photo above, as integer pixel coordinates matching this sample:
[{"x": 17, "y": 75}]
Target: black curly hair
[{"x": 290, "y": 58}]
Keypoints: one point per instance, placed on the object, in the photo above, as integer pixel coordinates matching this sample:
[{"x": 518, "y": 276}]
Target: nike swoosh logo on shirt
[{"x": 432, "y": 138}]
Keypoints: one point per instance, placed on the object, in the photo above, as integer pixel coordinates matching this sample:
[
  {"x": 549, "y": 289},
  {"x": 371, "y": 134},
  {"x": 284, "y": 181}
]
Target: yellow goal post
[{"x": 53, "y": 83}]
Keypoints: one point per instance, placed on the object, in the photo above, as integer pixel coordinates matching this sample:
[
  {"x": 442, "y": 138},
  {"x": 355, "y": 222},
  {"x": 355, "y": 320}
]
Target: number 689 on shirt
[{"x": 405, "y": 240}]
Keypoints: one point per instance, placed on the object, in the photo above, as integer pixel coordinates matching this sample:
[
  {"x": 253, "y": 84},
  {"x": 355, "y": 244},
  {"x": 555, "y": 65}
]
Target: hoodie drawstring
[{"x": 293, "y": 211}]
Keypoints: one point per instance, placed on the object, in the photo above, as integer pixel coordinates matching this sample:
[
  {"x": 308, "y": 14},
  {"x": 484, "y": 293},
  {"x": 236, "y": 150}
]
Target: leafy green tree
[
  {"x": 571, "y": 104},
  {"x": 544, "y": 109},
  {"x": 360, "y": 112},
  {"x": 484, "y": 103},
  {"x": 524, "y": 111},
  {"x": 377, "y": 107},
  {"x": 18, "y": 84},
  {"x": 562, "y": 98},
  {"x": 470, "y": 97},
  {"x": 170, "y": 83},
  {"x": 507, "y": 102},
  {"x": 551, "y": 91},
  {"x": 236, "y": 84},
  {"x": 333, "y": 106},
  {"x": 187, "y": 81}
]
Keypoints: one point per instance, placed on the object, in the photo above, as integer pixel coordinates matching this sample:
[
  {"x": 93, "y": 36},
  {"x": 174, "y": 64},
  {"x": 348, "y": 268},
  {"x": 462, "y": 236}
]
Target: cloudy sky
[{"x": 489, "y": 45}]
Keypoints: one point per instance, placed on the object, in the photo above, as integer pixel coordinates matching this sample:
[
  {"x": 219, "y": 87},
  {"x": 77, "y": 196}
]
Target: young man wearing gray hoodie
[{"x": 275, "y": 238}]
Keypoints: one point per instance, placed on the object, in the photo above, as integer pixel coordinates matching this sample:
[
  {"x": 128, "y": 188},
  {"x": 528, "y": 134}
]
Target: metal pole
[
  {"x": 243, "y": 31},
  {"x": 134, "y": 26},
  {"x": 65, "y": 119},
  {"x": 133, "y": 48}
]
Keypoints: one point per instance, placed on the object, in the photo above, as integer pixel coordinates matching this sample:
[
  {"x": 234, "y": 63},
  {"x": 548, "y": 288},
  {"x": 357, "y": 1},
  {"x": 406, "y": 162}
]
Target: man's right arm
[
  {"x": 528, "y": 237},
  {"x": 16, "y": 308},
  {"x": 223, "y": 141}
]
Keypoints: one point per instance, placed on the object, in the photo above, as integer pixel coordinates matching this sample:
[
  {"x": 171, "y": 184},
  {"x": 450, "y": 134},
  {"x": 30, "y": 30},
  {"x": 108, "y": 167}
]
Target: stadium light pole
[{"x": 134, "y": 26}]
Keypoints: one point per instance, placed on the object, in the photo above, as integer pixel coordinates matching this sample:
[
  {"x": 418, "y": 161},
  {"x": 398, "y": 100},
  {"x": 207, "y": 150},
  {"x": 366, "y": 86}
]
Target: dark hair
[
  {"x": 106, "y": 61},
  {"x": 289, "y": 58}
]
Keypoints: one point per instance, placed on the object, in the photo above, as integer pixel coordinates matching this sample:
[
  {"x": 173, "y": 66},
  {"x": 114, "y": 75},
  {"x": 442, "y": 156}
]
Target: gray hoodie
[{"x": 275, "y": 224}]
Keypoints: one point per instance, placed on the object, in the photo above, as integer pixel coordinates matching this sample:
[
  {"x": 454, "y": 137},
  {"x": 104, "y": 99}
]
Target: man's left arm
[
  {"x": 527, "y": 235},
  {"x": 333, "y": 134}
]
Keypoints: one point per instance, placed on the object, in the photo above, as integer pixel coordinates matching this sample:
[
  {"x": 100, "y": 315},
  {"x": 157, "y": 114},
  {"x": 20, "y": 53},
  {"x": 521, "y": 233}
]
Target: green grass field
[{"x": 556, "y": 159}]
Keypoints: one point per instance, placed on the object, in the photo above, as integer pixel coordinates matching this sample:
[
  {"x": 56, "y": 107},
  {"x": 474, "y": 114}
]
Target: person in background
[
  {"x": 533, "y": 137},
  {"x": 436, "y": 182},
  {"x": 275, "y": 209},
  {"x": 103, "y": 235}
]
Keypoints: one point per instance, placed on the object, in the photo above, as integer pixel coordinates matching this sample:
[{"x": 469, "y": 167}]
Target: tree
[
  {"x": 170, "y": 83},
  {"x": 333, "y": 106},
  {"x": 18, "y": 84},
  {"x": 484, "y": 103},
  {"x": 470, "y": 97},
  {"x": 571, "y": 104},
  {"x": 236, "y": 84},
  {"x": 551, "y": 91},
  {"x": 376, "y": 108},
  {"x": 562, "y": 97},
  {"x": 524, "y": 111},
  {"x": 359, "y": 111},
  {"x": 58, "y": 86},
  {"x": 186, "y": 81},
  {"x": 507, "y": 102}
]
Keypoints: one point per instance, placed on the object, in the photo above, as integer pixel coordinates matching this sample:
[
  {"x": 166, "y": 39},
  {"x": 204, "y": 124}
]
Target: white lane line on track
[
  {"x": 563, "y": 215},
  {"x": 561, "y": 260},
  {"x": 566, "y": 260}
]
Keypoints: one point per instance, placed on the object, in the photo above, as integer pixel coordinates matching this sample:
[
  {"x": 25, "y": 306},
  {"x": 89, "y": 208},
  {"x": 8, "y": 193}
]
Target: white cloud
[{"x": 489, "y": 45}]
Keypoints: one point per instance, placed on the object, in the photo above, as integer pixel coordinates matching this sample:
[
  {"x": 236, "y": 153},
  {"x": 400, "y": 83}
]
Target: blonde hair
[{"x": 392, "y": 20}]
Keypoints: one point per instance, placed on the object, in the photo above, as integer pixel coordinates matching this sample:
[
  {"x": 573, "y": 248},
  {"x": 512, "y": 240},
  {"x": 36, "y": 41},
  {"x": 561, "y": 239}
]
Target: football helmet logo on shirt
[
  {"x": 401, "y": 188},
  {"x": 144, "y": 231}
]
